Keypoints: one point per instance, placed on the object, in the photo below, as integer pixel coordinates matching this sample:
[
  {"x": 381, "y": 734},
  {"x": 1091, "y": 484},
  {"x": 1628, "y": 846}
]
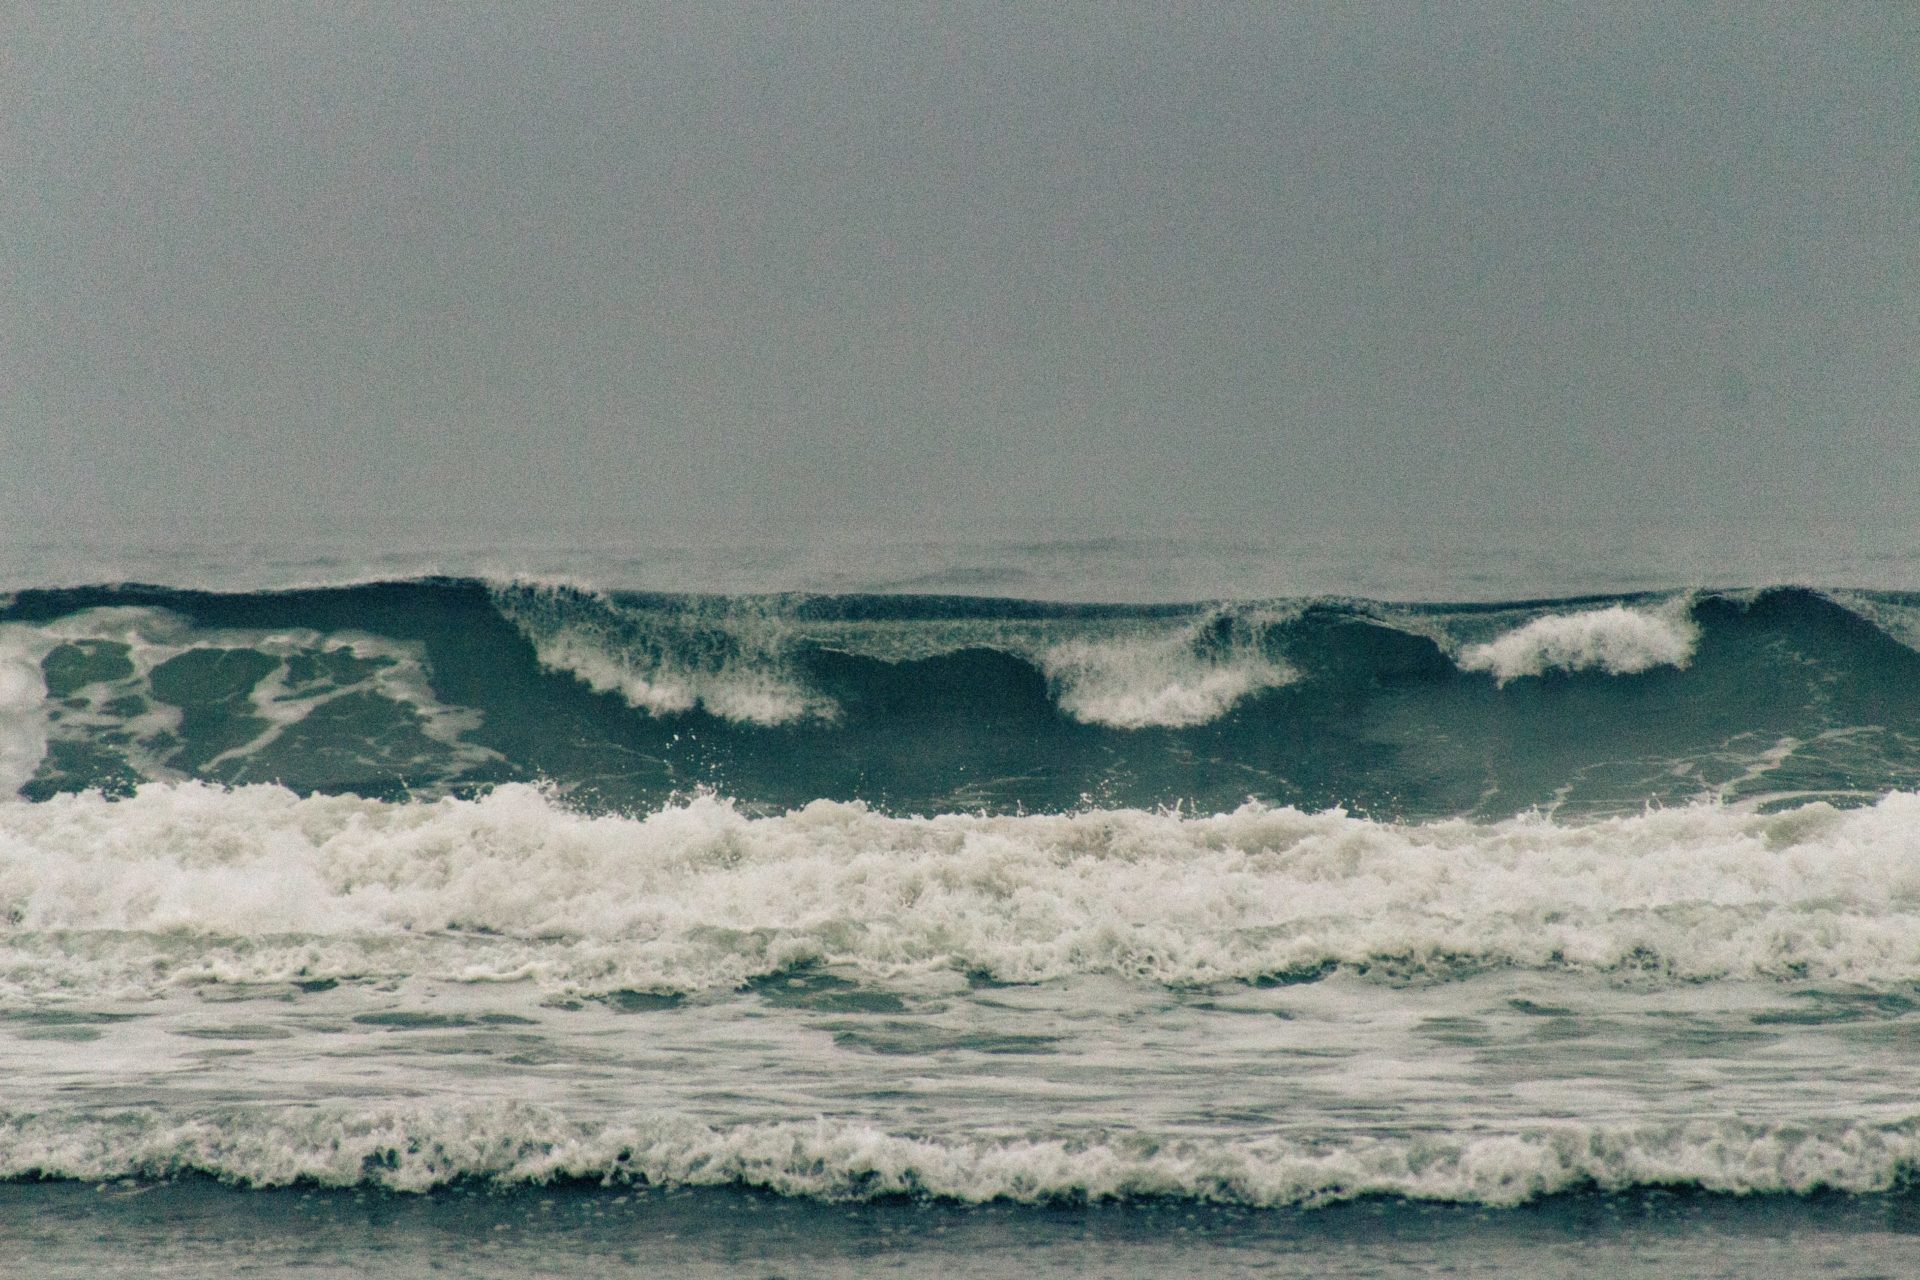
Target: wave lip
[
  {"x": 1617, "y": 640},
  {"x": 731, "y": 657},
  {"x": 418, "y": 1148},
  {"x": 1172, "y": 680},
  {"x": 663, "y": 687}
]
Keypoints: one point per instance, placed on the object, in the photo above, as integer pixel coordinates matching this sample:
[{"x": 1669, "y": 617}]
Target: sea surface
[{"x": 967, "y": 913}]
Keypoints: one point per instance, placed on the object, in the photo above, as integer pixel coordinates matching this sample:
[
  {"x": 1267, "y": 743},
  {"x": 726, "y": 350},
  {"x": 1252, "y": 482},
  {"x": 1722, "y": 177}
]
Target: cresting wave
[
  {"x": 930, "y": 704},
  {"x": 745, "y": 659},
  {"x": 1618, "y": 640},
  {"x": 419, "y": 1147},
  {"x": 190, "y": 884},
  {"x": 738, "y": 658}
]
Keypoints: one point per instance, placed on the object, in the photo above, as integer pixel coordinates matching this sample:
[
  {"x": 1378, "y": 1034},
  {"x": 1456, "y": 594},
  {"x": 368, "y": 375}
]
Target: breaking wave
[
  {"x": 420, "y": 1147},
  {"x": 742, "y": 659},
  {"x": 925, "y": 704},
  {"x": 190, "y": 883},
  {"x": 1618, "y": 640}
]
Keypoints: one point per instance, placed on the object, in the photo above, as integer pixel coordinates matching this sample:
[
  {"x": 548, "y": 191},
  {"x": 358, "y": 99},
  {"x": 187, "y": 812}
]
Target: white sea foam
[
  {"x": 421, "y": 1146},
  {"x": 1617, "y": 640},
  {"x": 1158, "y": 678},
  {"x": 189, "y": 883},
  {"x": 659, "y": 685},
  {"x": 731, "y": 658}
]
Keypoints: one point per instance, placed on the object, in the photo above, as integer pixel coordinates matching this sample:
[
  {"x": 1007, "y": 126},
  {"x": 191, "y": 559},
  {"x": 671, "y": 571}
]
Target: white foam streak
[
  {"x": 187, "y": 883},
  {"x": 150, "y": 637},
  {"x": 1617, "y": 640},
  {"x": 420, "y": 1147}
]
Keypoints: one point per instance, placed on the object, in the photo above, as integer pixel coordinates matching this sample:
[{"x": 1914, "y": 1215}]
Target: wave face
[
  {"x": 924, "y": 705},
  {"x": 1274, "y": 903}
]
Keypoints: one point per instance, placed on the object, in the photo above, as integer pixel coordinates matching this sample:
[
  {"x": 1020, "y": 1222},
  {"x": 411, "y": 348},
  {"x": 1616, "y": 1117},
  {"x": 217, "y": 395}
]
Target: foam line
[{"x": 422, "y": 1146}]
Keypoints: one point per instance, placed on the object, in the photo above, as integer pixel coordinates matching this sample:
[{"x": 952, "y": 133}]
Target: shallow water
[{"x": 195, "y": 1228}]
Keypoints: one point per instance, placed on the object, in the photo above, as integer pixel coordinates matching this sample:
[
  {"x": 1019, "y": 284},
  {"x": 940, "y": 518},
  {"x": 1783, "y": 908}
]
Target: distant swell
[{"x": 421, "y": 1146}]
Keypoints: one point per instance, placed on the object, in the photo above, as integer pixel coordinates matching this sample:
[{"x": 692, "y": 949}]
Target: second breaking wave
[{"x": 184, "y": 884}]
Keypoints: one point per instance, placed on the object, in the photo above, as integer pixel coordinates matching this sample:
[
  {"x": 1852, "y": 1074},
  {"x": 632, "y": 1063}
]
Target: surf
[{"x": 180, "y": 883}]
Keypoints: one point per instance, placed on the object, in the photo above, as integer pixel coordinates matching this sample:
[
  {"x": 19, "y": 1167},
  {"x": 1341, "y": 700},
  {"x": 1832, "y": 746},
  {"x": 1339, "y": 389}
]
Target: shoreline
[{"x": 198, "y": 1226}]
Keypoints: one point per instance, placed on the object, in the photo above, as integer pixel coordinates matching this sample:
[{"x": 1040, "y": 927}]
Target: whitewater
[{"x": 1232, "y": 914}]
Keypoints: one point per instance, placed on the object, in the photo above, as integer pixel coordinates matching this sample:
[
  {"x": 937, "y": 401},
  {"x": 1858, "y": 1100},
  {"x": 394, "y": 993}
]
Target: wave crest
[
  {"x": 1617, "y": 640},
  {"x": 740, "y": 658},
  {"x": 1168, "y": 680},
  {"x": 731, "y": 658}
]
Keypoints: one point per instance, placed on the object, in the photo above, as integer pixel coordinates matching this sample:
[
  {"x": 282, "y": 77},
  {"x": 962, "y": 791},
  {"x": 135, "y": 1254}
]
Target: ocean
[{"x": 959, "y": 915}]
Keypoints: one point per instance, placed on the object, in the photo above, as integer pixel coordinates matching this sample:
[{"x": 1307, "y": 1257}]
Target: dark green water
[{"x": 927, "y": 705}]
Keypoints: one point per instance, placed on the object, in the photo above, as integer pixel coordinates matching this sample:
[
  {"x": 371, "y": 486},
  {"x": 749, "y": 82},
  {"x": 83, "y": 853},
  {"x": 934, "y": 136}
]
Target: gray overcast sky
[{"x": 427, "y": 274}]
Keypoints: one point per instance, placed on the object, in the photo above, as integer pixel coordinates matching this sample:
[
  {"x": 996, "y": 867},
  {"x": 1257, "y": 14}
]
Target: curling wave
[{"x": 918, "y": 704}]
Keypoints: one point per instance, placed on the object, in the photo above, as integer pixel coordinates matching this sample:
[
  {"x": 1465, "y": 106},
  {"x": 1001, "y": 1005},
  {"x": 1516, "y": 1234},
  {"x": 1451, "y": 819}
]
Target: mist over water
[{"x": 1494, "y": 279}]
